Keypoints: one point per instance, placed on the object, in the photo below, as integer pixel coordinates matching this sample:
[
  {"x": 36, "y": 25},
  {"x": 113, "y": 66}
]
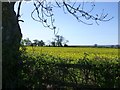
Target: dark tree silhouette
[
  {"x": 59, "y": 41},
  {"x": 41, "y": 43},
  {"x": 27, "y": 42},
  {"x": 53, "y": 43},
  {"x": 36, "y": 42},
  {"x": 95, "y": 45},
  {"x": 11, "y": 32}
]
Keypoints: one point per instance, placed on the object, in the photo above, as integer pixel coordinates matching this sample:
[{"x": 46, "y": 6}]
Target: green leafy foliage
[{"x": 41, "y": 70}]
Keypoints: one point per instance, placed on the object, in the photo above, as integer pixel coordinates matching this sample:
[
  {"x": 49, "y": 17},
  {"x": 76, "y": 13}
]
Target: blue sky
[{"x": 76, "y": 32}]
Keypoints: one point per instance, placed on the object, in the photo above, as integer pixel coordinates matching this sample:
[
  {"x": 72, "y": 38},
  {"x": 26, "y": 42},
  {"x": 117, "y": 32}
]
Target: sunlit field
[{"x": 75, "y": 52}]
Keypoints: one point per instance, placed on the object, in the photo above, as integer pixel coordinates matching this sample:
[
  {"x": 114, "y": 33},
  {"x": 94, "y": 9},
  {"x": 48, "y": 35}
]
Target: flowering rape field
[{"x": 75, "y": 52}]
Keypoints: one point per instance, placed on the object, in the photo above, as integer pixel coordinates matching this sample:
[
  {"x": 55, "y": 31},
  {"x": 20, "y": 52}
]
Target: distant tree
[
  {"x": 41, "y": 43},
  {"x": 53, "y": 43},
  {"x": 27, "y": 42},
  {"x": 95, "y": 45},
  {"x": 36, "y": 42},
  {"x": 112, "y": 46},
  {"x": 59, "y": 40}
]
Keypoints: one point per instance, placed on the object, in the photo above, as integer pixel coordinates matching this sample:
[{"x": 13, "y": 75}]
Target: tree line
[{"x": 58, "y": 40}]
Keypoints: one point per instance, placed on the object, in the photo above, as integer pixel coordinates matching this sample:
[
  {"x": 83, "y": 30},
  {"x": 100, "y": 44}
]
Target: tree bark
[{"x": 11, "y": 37}]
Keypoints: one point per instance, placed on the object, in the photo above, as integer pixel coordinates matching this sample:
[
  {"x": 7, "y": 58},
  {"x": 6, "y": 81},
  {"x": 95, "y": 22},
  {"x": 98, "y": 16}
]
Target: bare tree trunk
[{"x": 11, "y": 36}]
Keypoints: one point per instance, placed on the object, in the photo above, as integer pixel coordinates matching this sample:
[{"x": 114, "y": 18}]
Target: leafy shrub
[{"x": 43, "y": 70}]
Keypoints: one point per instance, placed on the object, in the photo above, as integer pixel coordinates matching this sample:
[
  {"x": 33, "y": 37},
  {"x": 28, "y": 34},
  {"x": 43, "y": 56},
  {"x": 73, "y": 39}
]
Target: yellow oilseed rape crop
[{"x": 75, "y": 52}]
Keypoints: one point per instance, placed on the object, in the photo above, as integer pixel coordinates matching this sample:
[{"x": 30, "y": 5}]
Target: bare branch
[
  {"x": 85, "y": 14},
  {"x": 45, "y": 15},
  {"x": 18, "y": 12}
]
